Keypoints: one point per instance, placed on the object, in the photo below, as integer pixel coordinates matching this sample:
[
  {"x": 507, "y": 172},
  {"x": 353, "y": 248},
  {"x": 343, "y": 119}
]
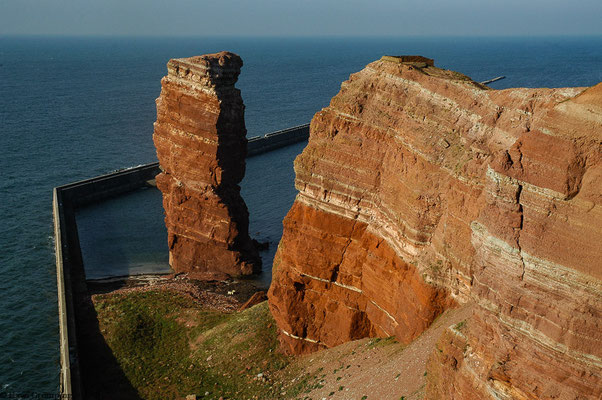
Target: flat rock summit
[{"x": 421, "y": 189}]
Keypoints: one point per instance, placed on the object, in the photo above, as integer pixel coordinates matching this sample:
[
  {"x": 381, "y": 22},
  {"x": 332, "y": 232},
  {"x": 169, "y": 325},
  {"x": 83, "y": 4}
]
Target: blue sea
[{"x": 73, "y": 108}]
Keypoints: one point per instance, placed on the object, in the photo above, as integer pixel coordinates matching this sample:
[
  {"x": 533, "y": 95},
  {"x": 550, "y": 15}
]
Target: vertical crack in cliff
[
  {"x": 335, "y": 271},
  {"x": 519, "y": 191}
]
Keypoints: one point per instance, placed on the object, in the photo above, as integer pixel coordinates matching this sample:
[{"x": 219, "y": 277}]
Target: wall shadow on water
[
  {"x": 124, "y": 235},
  {"x": 101, "y": 242}
]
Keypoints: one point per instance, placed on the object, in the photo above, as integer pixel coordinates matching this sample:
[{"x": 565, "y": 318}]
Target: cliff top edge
[
  {"x": 223, "y": 68},
  {"x": 418, "y": 61}
]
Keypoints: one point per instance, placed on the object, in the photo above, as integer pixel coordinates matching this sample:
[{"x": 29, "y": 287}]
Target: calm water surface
[{"x": 75, "y": 108}]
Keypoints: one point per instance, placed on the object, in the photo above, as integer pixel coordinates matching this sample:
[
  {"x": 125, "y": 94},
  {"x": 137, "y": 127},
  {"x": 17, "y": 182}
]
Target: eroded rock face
[
  {"x": 420, "y": 188},
  {"x": 200, "y": 137}
]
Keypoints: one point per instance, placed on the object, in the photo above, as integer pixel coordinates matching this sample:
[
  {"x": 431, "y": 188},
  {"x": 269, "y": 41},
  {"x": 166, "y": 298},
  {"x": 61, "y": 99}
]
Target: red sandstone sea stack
[
  {"x": 420, "y": 189},
  {"x": 201, "y": 143}
]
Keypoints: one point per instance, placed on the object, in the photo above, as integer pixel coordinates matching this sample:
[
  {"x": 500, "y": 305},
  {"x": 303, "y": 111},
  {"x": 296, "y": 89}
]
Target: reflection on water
[{"x": 126, "y": 235}]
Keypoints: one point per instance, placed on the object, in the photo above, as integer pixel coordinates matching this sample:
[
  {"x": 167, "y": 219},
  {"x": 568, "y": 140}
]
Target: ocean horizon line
[{"x": 302, "y": 37}]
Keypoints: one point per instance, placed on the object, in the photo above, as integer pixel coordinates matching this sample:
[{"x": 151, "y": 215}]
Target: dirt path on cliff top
[{"x": 377, "y": 369}]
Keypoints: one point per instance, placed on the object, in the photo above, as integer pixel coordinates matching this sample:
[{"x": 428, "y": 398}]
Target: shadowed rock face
[
  {"x": 200, "y": 137},
  {"x": 420, "y": 188}
]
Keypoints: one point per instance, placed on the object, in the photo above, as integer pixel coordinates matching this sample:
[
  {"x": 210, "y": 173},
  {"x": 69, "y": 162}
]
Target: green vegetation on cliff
[{"x": 169, "y": 347}]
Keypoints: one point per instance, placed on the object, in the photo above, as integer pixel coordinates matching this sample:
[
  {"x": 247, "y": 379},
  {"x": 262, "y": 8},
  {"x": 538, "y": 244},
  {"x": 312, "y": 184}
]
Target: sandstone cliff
[
  {"x": 200, "y": 137},
  {"x": 421, "y": 188}
]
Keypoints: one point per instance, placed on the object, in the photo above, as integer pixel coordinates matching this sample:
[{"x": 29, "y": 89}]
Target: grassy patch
[
  {"x": 168, "y": 347},
  {"x": 381, "y": 342},
  {"x": 436, "y": 268},
  {"x": 461, "y": 325}
]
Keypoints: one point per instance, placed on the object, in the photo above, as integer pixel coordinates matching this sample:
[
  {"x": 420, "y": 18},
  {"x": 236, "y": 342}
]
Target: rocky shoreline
[{"x": 227, "y": 295}]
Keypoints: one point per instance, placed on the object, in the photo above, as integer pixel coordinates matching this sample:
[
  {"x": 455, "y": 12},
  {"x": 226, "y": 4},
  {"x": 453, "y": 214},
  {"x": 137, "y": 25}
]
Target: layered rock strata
[
  {"x": 200, "y": 137},
  {"x": 419, "y": 188}
]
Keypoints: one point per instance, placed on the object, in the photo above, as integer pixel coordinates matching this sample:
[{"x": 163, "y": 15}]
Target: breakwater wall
[
  {"x": 70, "y": 380},
  {"x": 73, "y": 296},
  {"x": 271, "y": 141}
]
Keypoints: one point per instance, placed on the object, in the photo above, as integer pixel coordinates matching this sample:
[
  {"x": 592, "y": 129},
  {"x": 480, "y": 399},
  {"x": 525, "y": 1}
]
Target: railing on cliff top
[{"x": 71, "y": 280}]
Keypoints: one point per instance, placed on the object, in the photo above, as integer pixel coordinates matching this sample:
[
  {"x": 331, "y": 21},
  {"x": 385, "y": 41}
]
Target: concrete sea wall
[
  {"x": 272, "y": 141},
  {"x": 71, "y": 281}
]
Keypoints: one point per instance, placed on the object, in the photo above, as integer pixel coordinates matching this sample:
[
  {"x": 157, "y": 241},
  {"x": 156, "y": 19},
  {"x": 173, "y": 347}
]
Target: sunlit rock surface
[
  {"x": 421, "y": 188},
  {"x": 200, "y": 137}
]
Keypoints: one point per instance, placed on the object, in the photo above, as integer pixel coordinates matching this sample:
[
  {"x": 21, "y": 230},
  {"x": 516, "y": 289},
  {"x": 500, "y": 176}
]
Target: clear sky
[{"x": 301, "y": 17}]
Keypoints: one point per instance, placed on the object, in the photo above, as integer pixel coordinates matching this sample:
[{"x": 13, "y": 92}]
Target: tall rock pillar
[{"x": 201, "y": 143}]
